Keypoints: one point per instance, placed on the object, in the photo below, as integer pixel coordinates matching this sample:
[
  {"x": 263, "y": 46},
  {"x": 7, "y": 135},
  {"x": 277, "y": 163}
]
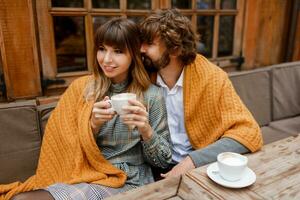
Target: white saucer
[{"x": 248, "y": 179}]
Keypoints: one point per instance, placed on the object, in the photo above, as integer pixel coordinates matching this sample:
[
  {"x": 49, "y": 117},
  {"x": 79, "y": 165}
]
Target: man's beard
[{"x": 154, "y": 66}]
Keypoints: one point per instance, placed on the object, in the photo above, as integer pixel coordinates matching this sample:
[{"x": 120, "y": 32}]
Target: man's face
[{"x": 155, "y": 54}]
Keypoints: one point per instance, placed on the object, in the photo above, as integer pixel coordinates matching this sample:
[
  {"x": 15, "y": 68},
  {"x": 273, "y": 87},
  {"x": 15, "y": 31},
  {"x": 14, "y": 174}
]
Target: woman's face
[{"x": 114, "y": 62}]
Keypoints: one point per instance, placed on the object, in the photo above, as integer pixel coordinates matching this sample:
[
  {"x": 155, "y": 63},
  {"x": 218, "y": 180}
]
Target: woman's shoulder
[{"x": 153, "y": 93}]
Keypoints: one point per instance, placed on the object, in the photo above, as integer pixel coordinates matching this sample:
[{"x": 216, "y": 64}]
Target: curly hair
[{"x": 175, "y": 30}]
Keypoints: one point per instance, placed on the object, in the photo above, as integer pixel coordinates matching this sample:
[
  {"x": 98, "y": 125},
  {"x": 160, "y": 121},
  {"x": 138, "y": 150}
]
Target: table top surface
[{"x": 277, "y": 169}]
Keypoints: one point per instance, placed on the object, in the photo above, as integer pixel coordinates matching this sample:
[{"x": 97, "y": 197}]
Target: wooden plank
[
  {"x": 163, "y": 189},
  {"x": 265, "y": 32},
  {"x": 272, "y": 32},
  {"x": 19, "y": 49},
  {"x": 284, "y": 185},
  {"x": 200, "y": 177},
  {"x": 175, "y": 198},
  {"x": 277, "y": 167},
  {"x": 216, "y": 29},
  {"x": 238, "y": 29},
  {"x": 189, "y": 189},
  {"x": 46, "y": 35},
  {"x": 250, "y": 34},
  {"x": 296, "y": 51}
]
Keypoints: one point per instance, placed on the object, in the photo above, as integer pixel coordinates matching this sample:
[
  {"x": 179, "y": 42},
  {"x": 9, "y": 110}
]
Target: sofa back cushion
[
  {"x": 20, "y": 141},
  {"x": 286, "y": 90},
  {"x": 44, "y": 112},
  {"x": 254, "y": 88}
]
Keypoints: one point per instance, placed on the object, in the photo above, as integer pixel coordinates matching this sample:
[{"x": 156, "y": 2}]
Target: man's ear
[{"x": 176, "y": 51}]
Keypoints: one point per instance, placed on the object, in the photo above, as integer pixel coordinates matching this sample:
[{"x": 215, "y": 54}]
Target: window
[
  {"x": 66, "y": 29},
  {"x": 218, "y": 23}
]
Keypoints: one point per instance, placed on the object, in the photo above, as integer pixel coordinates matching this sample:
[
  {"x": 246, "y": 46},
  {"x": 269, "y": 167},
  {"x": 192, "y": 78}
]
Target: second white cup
[{"x": 232, "y": 165}]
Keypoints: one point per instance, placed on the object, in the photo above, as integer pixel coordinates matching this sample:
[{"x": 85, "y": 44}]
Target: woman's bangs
[{"x": 113, "y": 36}]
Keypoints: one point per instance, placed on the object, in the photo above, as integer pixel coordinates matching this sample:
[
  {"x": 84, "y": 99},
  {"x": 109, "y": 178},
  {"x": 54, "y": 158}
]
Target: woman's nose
[
  {"x": 107, "y": 57},
  {"x": 143, "y": 48}
]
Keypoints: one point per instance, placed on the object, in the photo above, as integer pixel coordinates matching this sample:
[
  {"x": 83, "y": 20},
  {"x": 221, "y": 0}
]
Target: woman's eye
[
  {"x": 118, "y": 51},
  {"x": 101, "y": 48}
]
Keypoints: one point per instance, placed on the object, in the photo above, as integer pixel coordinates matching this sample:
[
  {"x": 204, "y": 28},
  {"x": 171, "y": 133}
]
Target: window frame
[{"x": 47, "y": 41}]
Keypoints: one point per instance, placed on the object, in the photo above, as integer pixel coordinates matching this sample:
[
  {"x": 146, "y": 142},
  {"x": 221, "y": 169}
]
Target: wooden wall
[
  {"x": 19, "y": 49},
  {"x": 265, "y": 32},
  {"x": 265, "y": 36}
]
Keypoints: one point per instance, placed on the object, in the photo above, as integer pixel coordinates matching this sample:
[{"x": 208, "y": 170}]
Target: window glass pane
[
  {"x": 136, "y": 19},
  {"x": 138, "y": 4},
  {"x": 67, "y": 3},
  {"x": 228, "y": 4},
  {"x": 182, "y": 4},
  {"x": 70, "y": 43},
  {"x": 205, "y": 27},
  {"x": 106, "y": 3},
  {"x": 99, "y": 20},
  {"x": 205, "y": 4},
  {"x": 226, "y": 36}
]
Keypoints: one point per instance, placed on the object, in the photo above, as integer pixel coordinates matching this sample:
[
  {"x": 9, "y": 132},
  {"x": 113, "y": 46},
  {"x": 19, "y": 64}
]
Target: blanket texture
[
  {"x": 69, "y": 153},
  {"x": 212, "y": 109}
]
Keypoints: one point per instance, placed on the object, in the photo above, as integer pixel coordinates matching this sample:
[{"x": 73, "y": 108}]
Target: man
[{"x": 205, "y": 115}]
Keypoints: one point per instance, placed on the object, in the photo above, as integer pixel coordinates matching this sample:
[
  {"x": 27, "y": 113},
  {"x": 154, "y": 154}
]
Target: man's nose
[{"x": 144, "y": 48}]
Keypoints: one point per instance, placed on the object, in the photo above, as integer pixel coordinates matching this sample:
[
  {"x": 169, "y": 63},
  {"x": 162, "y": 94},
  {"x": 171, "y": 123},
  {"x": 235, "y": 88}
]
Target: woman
[{"x": 72, "y": 164}]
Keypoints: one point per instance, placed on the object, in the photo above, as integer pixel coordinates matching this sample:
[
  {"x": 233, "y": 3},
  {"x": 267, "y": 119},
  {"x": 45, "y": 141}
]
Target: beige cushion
[
  {"x": 44, "y": 114},
  {"x": 20, "y": 141},
  {"x": 253, "y": 87},
  {"x": 286, "y": 90},
  {"x": 271, "y": 134},
  {"x": 290, "y": 125}
]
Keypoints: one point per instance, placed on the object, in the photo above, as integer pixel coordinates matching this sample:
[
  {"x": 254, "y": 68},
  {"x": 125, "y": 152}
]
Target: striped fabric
[{"x": 84, "y": 191}]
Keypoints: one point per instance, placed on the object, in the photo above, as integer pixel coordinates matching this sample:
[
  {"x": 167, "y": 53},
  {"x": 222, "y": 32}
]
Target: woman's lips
[{"x": 109, "y": 68}]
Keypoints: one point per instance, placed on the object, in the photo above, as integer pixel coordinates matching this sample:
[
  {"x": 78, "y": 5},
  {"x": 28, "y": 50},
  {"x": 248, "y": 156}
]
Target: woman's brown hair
[{"x": 123, "y": 34}]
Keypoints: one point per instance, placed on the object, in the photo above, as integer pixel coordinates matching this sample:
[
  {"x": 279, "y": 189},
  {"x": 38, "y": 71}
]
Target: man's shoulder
[{"x": 206, "y": 69}]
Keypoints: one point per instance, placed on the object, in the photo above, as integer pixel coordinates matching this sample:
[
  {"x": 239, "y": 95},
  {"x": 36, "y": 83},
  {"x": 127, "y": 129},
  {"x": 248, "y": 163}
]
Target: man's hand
[{"x": 181, "y": 168}]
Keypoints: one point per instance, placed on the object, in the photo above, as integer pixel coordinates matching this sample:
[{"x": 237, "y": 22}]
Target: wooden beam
[
  {"x": 265, "y": 31},
  {"x": 19, "y": 49}
]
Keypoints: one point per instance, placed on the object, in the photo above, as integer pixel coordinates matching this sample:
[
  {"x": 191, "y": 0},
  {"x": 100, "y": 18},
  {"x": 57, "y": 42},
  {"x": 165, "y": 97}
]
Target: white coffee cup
[
  {"x": 232, "y": 166},
  {"x": 118, "y": 101}
]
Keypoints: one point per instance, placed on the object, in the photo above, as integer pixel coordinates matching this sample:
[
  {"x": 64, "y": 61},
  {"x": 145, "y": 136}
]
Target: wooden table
[{"x": 277, "y": 168}]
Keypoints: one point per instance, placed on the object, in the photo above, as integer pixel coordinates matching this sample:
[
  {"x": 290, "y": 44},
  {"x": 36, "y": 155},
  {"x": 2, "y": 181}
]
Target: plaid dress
[{"x": 125, "y": 150}]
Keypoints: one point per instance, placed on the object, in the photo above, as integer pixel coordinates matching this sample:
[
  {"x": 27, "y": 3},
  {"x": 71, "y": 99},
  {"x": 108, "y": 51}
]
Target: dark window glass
[
  {"x": 226, "y": 36},
  {"x": 205, "y": 4},
  {"x": 70, "y": 43},
  {"x": 182, "y": 4},
  {"x": 136, "y": 19},
  {"x": 228, "y": 4},
  {"x": 205, "y": 26},
  {"x": 99, "y": 20},
  {"x": 67, "y": 3},
  {"x": 138, "y": 4},
  {"x": 106, "y": 3}
]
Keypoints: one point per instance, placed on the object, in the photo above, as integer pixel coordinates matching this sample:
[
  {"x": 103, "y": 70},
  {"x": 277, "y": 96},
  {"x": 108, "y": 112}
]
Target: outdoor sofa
[{"x": 272, "y": 95}]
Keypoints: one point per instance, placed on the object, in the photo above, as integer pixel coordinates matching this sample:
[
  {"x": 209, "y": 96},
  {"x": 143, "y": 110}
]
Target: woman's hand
[
  {"x": 137, "y": 115},
  {"x": 101, "y": 113}
]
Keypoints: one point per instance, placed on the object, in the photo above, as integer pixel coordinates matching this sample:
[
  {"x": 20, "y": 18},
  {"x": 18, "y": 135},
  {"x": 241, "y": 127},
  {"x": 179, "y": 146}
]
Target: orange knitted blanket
[
  {"x": 212, "y": 109},
  {"x": 69, "y": 153}
]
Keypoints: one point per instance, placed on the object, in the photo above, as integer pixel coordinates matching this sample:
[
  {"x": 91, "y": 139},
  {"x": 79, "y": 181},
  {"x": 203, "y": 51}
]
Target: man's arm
[
  {"x": 209, "y": 154},
  {"x": 206, "y": 155}
]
